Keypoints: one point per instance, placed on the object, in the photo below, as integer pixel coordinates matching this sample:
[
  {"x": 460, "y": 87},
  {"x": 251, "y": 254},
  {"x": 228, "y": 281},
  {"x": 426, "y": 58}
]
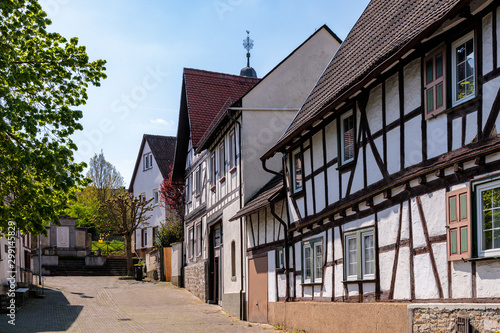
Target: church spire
[{"x": 248, "y": 45}]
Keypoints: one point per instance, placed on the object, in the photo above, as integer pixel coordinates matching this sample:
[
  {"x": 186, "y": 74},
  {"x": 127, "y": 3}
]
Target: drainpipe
[{"x": 240, "y": 174}]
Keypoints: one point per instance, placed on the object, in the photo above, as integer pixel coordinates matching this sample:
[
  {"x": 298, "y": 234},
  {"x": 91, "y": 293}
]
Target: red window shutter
[
  {"x": 458, "y": 224},
  {"x": 435, "y": 82}
]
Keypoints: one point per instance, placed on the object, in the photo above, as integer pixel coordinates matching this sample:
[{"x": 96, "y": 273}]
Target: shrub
[{"x": 169, "y": 232}]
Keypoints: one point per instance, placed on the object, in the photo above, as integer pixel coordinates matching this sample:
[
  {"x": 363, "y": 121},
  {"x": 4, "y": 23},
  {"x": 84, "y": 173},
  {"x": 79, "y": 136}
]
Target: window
[
  {"x": 188, "y": 189},
  {"x": 144, "y": 237},
  {"x": 463, "y": 69},
  {"x": 213, "y": 170},
  {"x": 147, "y": 161},
  {"x": 191, "y": 242},
  {"x": 297, "y": 171},
  {"x": 347, "y": 137},
  {"x": 280, "y": 258},
  {"x": 488, "y": 218},
  {"x": 218, "y": 236},
  {"x": 156, "y": 197},
  {"x": 435, "y": 74},
  {"x": 359, "y": 255},
  {"x": 222, "y": 161},
  {"x": 199, "y": 244},
  {"x": 312, "y": 254},
  {"x": 233, "y": 260},
  {"x": 197, "y": 181},
  {"x": 458, "y": 224},
  {"x": 232, "y": 150}
]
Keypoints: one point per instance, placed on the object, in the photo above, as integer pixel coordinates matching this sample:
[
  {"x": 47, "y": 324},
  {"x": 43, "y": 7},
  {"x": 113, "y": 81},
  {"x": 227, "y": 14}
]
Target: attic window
[{"x": 147, "y": 161}]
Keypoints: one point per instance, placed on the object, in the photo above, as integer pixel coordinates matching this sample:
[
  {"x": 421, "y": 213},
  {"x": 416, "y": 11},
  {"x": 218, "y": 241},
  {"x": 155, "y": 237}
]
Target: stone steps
[{"x": 72, "y": 267}]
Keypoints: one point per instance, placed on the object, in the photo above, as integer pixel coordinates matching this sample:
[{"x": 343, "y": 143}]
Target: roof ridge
[{"x": 195, "y": 71}]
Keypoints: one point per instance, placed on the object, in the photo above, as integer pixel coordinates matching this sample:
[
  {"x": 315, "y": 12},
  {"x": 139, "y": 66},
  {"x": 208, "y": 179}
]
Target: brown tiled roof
[
  {"x": 261, "y": 198},
  {"x": 382, "y": 31},
  {"x": 207, "y": 93},
  {"x": 163, "y": 149}
]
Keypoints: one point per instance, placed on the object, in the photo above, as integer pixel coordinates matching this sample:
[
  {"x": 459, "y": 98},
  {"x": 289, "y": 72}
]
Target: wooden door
[{"x": 257, "y": 290}]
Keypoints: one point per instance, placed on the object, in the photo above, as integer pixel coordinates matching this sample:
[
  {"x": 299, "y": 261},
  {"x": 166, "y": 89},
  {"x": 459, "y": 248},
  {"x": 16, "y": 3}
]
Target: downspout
[
  {"x": 287, "y": 261},
  {"x": 285, "y": 226},
  {"x": 240, "y": 175}
]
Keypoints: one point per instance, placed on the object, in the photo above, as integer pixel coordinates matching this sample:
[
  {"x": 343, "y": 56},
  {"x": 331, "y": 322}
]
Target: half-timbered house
[
  {"x": 203, "y": 95},
  {"x": 392, "y": 175},
  {"x": 238, "y": 136}
]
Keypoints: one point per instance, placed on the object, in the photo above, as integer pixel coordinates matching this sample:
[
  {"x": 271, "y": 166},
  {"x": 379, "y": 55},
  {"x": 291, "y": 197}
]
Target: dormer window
[{"x": 147, "y": 161}]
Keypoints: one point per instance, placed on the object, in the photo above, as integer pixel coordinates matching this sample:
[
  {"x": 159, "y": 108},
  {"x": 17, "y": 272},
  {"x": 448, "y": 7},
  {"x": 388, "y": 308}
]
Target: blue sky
[{"x": 148, "y": 43}]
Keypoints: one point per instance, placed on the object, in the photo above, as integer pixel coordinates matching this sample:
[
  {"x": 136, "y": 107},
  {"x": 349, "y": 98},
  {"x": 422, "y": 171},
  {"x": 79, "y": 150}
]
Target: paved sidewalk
[{"x": 107, "y": 305}]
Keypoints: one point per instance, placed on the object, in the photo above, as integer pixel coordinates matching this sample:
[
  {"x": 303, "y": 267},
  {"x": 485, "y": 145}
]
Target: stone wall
[
  {"x": 196, "y": 279},
  {"x": 484, "y": 318}
]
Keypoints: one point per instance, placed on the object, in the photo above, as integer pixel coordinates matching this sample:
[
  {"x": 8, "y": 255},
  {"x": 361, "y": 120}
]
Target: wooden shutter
[
  {"x": 458, "y": 224},
  {"x": 435, "y": 83}
]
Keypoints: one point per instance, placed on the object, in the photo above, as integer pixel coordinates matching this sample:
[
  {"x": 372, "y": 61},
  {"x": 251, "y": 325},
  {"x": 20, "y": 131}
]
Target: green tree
[
  {"x": 84, "y": 206},
  {"x": 169, "y": 232},
  {"x": 122, "y": 215},
  {"x": 43, "y": 79}
]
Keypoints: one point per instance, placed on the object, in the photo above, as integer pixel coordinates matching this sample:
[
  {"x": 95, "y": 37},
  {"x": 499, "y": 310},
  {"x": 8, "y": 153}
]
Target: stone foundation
[
  {"x": 484, "y": 318},
  {"x": 196, "y": 279}
]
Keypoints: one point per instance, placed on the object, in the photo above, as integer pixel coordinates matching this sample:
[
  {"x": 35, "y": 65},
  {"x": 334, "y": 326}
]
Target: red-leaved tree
[{"x": 172, "y": 196}]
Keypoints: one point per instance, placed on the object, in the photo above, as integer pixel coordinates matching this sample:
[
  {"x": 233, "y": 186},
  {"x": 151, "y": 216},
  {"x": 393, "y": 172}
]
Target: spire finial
[{"x": 248, "y": 45}]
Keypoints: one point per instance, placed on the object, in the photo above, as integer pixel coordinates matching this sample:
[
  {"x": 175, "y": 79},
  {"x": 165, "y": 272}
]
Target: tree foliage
[
  {"x": 122, "y": 215},
  {"x": 169, "y": 232},
  {"x": 104, "y": 176},
  {"x": 43, "y": 79},
  {"x": 84, "y": 206},
  {"x": 172, "y": 196}
]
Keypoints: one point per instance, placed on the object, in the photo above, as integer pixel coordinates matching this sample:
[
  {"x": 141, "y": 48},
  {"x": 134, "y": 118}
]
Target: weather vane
[{"x": 248, "y": 45}]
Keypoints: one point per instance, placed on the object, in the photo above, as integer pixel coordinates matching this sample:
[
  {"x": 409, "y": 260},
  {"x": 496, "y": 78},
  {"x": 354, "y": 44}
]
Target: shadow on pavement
[{"x": 51, "y": 314}]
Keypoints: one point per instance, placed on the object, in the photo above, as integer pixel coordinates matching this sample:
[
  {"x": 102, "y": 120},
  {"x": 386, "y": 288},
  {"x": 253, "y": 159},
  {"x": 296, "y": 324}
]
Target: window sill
[
  {"x": 459, "y": 106},
  {"x": 297, "y": 194},
  {"x": 213, "y": 188},
  {"x": 347, "y": 165},
  {"x": 359, "y": 281},
  {"x": 189, "y": 202},
  {"x": 222, "y": 180},
  {"x": 312, "y": 283},
  {"x": 197, "y": 195},
  {"x": 483, "y": 258},
  {"x": 233, "y": 170}
]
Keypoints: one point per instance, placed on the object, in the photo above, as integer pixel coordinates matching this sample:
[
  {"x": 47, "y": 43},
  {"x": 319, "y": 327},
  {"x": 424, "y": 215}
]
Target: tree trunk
[{"x": 128, "y": 253}]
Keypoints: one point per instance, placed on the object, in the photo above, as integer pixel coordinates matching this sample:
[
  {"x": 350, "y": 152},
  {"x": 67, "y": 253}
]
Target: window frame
[
  {"x": 297, "y": 152},
  {"x": 342, "y": 160},
  {"x": 156, "y": 197},
  {"x": 359, "y": 236},
  {"x": 478, "y": 188},
  {"x": 213, "y": 169},
  {"x": 191, "y": 242},
  {"x": 280, "y": 258},
  {"x": 437, "y": 80},
  {"x": 199, "y": 239},
  {"x": 222, "y": 161},
  {"x": 197, "y": 181},
  {"x": 232, "y": 150},
  {"x": 312, "y": 245},
  {"x": 459, "y": 41},
  {"x": 147, "y": 161}
]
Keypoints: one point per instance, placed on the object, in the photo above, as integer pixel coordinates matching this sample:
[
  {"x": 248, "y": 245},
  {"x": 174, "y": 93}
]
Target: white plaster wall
[
  {"x": 293, "y": 214},
  {"x": 412, "y": 86},
  {"x": 490, "y": 91},
  {"x": 317, "y": 291},
  {"x": 345, "y": 181},
  {"x": 487, "y": 280},
  {"x": 441, "y": 257},
  {"x": 317, "y": 147},
  {"x": 471, "y": 127},
  {"x": 413, "y": 141},
  {"x": 231, "y": 232},
  {"x": 327, "y": 282},
  {"x": 319, "y": 186},
  {"x": 330, "y": 247},
  {"x": 289, "y": 84},
  {"x": 418, "y": 231},
  {"x": 270, "y": 226},
  {"x": 434, "y": 208},
  {"x": 339, "y": 277},
  {"x": 357, "y": 182},
  {"x": 360, "y": 223},
  {"x": 456, "y": 133},
  {"x": 392, "y": 99},
  {"x": 271, "y": 276},
  {"x": 333, "y": 184},
  {"x": 402, "y": 283},
  {"x": 386, "y": 262},
  {"x": 461, "y": 279},
  {"x": 261, "y": 228},
  {"x": 307, "y": 162},
  {"x": 310, "y": 197},
  {"x": 331, "y": 140},
  {"x": 487, "y": 44},
  {"x": 374, "y": 109},
  {"x": 300, "y": 206},
  {"x": 373, "y": 173},
  {"x": 388, "y": 225},
  {"x": 368, "y": 288},
  {"x": 425, "y": 285},
  {"x": 393, "y": 147},
  {"x": 281, "y": 285},
  {"x": 308, "y": 290},
  {"x": 352, "y": 290},
  {"x": 379, "y": 144},
  {"x": 437, "y": 136},
  {"x": 405, "y": 227}
]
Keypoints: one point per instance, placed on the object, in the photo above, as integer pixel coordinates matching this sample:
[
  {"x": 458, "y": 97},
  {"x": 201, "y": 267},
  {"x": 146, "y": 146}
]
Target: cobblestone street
[{"x": 107, "y": 304}]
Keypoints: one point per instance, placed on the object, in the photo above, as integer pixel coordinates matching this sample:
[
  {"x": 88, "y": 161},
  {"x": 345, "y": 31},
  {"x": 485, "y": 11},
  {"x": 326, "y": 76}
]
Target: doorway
[
  {"x": 257, "y": 290},
  {"x": 215, "y": 263}
]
